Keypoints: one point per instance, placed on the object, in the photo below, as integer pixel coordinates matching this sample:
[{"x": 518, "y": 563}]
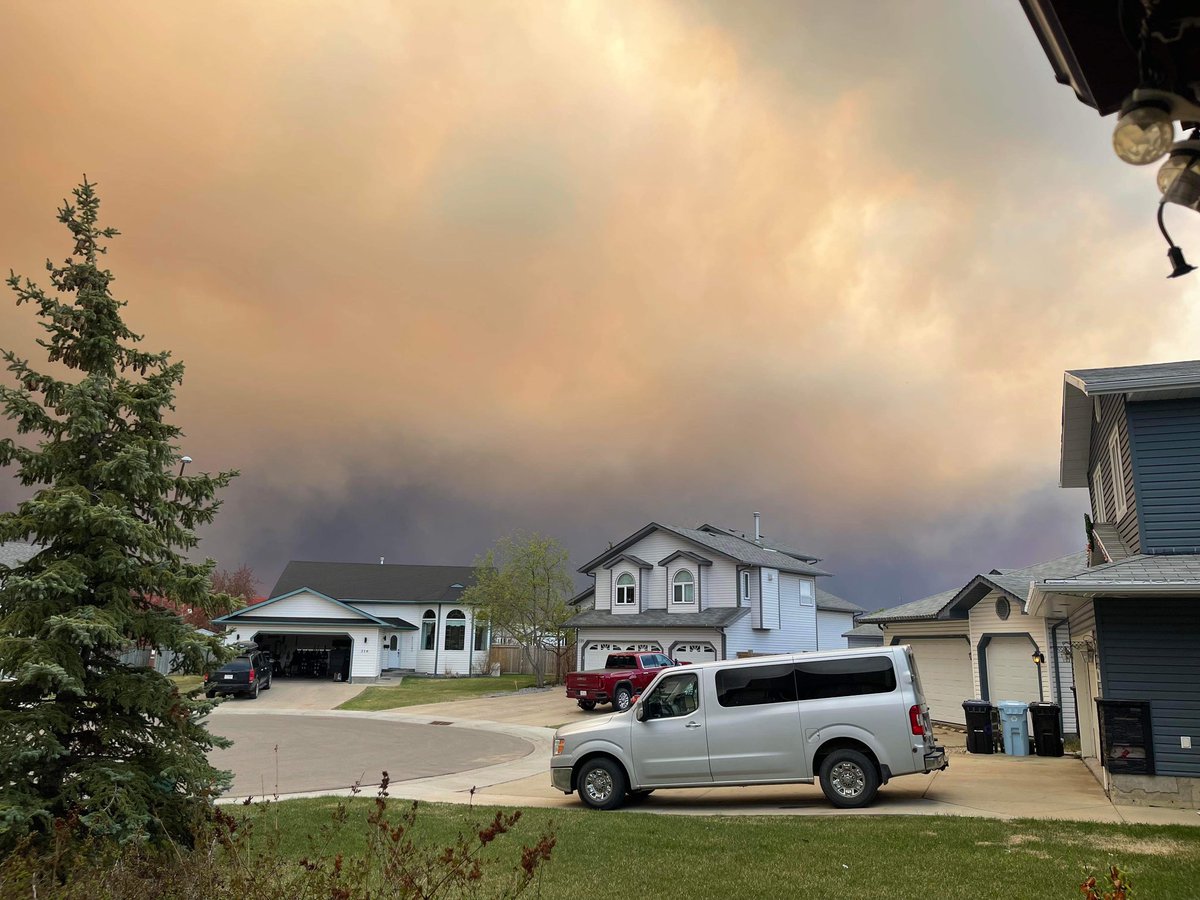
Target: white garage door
[
  {"x": 944, "y": 665},
  {"x": 694, "y": 653},
  {"x": 1012, "y": 673},
  {"x": 596, "y": 652}
]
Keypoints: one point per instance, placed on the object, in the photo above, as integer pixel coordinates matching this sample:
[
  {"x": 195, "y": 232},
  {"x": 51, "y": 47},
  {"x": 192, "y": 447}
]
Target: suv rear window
[
  {"x": 241, "y": 664},
  {"x": 824, "y": 678}
]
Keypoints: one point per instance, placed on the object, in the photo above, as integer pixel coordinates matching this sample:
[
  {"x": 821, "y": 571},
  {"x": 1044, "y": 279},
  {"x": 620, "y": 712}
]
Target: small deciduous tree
[
  {"x": 240, "y": 583},
  {"x": 84, "y": 738},
  {"x": 521, "y": 587}
]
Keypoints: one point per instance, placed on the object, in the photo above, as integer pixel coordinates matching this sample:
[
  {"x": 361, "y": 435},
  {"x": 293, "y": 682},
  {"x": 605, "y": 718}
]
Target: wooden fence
[{"x": 512, "y": 660}]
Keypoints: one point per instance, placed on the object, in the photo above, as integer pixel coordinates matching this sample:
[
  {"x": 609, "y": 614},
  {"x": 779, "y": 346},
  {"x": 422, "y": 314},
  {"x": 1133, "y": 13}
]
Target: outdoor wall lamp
[
  {"x": 1144, "y": 129},
  {"x": 1179, "y": 265},
  {"x": 1038, "y": 657}
]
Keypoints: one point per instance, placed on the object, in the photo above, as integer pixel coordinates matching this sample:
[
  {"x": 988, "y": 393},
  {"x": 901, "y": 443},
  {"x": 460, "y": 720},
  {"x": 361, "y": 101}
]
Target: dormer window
[
  {"x": 625, "y": 594},
  {"x": 684, "y": 587}
]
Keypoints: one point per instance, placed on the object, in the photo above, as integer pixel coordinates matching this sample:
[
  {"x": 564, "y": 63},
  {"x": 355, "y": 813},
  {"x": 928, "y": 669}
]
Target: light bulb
[{"x": 1143, "y": 134}]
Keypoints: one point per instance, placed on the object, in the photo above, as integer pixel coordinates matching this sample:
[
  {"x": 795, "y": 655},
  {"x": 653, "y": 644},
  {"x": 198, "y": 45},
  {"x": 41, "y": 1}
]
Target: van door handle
[{"x": 692, "y": 725}]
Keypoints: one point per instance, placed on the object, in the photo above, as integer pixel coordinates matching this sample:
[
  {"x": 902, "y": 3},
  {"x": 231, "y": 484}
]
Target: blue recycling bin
[{"x": 1014, "y": 725}]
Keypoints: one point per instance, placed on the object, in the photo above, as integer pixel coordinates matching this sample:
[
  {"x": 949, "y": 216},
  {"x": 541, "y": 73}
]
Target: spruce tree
[{"x": 113, "y": 748}]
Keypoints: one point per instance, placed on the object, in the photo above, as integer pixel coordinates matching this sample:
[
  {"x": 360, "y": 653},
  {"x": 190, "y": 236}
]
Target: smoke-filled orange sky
[{"x": 440, "y": 271}]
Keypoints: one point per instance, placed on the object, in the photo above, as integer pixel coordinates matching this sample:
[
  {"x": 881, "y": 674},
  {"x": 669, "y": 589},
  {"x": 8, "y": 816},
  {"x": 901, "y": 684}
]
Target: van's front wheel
[
  {"x": 849, "y": 779},
  {"x": 601, "y": 784}
]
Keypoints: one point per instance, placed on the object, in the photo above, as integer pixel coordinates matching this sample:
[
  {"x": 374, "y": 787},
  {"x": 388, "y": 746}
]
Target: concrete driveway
[
  {"x": 299, "y": 693},
  {"x": 320, "y": 754}
]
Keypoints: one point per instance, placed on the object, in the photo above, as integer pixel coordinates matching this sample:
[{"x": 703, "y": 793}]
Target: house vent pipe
[
  {"x": 381, "y": 560},
  {"x": 757, "y": 532}
]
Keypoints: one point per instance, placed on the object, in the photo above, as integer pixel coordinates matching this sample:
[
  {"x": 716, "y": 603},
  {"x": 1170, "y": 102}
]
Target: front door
[{"x": 670, "y": 744}]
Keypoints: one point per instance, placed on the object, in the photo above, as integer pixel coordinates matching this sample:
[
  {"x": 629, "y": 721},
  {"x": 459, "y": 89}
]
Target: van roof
[{"x": 814, "y": 654}]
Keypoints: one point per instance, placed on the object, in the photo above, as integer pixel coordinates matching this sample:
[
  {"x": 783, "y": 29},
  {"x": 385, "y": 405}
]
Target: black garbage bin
[
  {"x": 1047, "y": 729},
  {"x": 982, "y": 726}
]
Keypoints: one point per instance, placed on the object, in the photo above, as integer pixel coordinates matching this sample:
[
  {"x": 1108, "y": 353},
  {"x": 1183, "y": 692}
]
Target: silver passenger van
[{"x": 854, "y": 719}]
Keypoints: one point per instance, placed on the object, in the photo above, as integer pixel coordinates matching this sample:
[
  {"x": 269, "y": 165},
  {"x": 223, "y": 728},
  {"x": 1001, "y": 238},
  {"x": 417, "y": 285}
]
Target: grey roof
[
  {"x": 589, "y": 591},
  {"x": 1110, "y": 541},
  {"x": 1126, "y": 379},
  {"x": 925, "y": 608},
  {"x": 740, "y": 549},
  {"x": 866, "y": 630},
  {"x": 1017, "y": 581},
  {"x": 763, "y": 541},
  {"x": 658, "y": 618},
  {"x": 1162, "y": 381},
  {"x": 834, "y": 603},
  {"x": 13, "y": 553},
  {"x": 364, "y": 581},
  {"x": 1182, "y": 570}
]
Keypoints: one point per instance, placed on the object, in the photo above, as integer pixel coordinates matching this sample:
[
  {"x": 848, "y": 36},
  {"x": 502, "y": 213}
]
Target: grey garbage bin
[
  {"x": 982, "y": 726},
  {"x": 1047, "y": 729},
  {"x": 1014, "y": 725}
]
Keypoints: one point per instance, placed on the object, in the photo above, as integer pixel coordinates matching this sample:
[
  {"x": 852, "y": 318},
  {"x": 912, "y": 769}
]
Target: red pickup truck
[{"x": 624, "y": 676}]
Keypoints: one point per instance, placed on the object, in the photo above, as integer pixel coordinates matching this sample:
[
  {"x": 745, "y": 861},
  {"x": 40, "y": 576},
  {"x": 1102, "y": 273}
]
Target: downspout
[
  {"x": 470, "y": 636},
  {"x": 699, "y": 597},
  {"x": 1058, "y": 679},
  {"x": 724, "y": 651}
]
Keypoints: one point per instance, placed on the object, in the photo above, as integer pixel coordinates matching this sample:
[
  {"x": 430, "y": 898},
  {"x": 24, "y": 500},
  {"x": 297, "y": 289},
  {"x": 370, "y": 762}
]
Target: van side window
[
  {"x": 756, "y": 685},
  {"x": 677, "y": 695},
  {"x": 821, "y": 679}
]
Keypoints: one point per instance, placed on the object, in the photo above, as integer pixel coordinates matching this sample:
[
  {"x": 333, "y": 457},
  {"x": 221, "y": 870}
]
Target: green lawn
[
  {"x": 186, "y": 683},
  {"x": 601, "y": 855},
  {"x": 416, "y": 689}
]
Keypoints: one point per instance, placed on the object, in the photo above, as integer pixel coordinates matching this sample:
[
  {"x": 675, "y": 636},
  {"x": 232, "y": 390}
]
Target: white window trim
[
  {"x": 1098, "y": 492},
  {"x": 745, "y": 599},
  {"x": 631, "y": 587},
  {"x": 676, "y": 584},
  {"x": 1118, "y": 476}
]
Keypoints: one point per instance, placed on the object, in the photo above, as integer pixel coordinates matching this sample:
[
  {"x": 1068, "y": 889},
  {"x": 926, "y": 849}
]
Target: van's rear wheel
[
  {"x": 601, "y": 784},
  {"x": 849, "y": 779}
]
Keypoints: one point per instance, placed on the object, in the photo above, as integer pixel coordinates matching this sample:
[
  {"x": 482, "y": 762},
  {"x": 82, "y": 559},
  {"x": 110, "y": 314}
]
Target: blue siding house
[{"x": 1131, "y": 436}]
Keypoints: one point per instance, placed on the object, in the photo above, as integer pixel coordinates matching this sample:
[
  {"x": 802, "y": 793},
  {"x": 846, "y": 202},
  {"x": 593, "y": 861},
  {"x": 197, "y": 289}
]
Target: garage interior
[{"x": 316, "y": 656}]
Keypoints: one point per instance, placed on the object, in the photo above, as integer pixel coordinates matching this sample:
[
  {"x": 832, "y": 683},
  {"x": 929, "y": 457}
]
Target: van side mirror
[{"x": 639, "y": 712}]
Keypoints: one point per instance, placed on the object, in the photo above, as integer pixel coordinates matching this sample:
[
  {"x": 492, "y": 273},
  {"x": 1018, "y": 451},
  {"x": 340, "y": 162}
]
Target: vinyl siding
[
  {"x": 830, "y": 628},
  {"x": 1150, "y": 650},
  {"x": 1113, "y": 417},
  {"x": 1082, "y": 623},
  {"x": 797, "y": 632},
  {"x": 1166, "y": 473},
  {"x": 1064, "y": 680},
  {"x": 982, "y": 620},
  {"x": 769, "y": 589},
  {"x": 717, "y": 584}
]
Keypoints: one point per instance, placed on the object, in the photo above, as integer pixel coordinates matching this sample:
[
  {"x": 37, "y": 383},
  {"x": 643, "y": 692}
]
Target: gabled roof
[
  {"x": 686, "y": 554},
  {"x": 735, "y": 548},
  {"x": 834, "y": 603},
  {"x": 589, "y": 591},
  {"x": 379, "y": 583},
  {"x": 1016, "y": 583},
  {"x": 926, "y": 608},
  {"x": 260, "y": 613},
  {"x": 769, "y": 543},
  {"x": 628, "y": 557},
  {"x": 715, "y": 617},
  {"x": 1163, "y": 381}
]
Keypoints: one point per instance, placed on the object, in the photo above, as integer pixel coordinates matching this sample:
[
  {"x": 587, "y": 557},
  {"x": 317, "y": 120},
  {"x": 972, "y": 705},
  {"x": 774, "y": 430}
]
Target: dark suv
[{"x": 245, "y": 674}]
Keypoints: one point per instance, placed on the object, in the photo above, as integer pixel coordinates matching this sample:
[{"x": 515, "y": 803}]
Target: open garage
[{"x": 320, "y": 656}]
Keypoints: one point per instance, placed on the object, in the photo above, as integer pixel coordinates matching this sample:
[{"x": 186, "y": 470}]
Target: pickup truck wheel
[
  {"x": 589, "y": 705},
  {"x": 601, "y": 784},
  {"x": 622, "y": 697},
  {"x": 849, "y": 779}
]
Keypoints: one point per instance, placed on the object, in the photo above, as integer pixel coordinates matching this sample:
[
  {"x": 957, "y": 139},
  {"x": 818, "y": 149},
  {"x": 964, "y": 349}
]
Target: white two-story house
[{"x": 699, "y": 594}]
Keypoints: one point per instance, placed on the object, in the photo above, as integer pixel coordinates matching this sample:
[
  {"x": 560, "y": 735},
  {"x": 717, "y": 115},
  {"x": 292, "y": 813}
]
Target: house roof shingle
[
  {"x": 1128, "y": 379},
  {"x": 13, "y": 553},
  {"x": 866, "y": 630},
  {"x": 1142, "y": 570},
  {"x": 925, "y": 608},
  {"x": 379, "y": 583},
  {"x": 834, "y": 603}
]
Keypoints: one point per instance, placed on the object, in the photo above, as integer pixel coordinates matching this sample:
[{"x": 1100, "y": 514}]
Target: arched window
[
  {"x": 428, "y": 629},
  {"x": 625, "y": 595},
  {"x": 392, "y": 643},
  {"x": 456, "y": 630},
  {"x": 684, "y": 590}
]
